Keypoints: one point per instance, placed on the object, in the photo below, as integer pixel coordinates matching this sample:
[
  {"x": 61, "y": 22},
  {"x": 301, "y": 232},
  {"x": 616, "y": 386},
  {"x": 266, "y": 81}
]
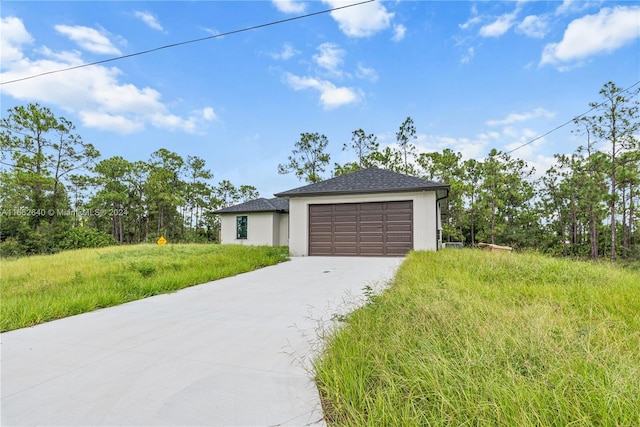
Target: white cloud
[
  {"x": 109, "y": 122},
  {"x": 468, "y": 55},
  {"x": 95, "y": 94},
  {"x": 500, "y": 26},
  {"x": 522, "y": 117},
  {"x": 331, "y": 96},
  {"x": 574, "y": 6},
  {"x": 360, "y": 21},
  {"x": 289, "y": 6},
  {"x": 208, "y": 114},
  {"x": 89, "y": 39},
  {"x": 287, "y": 52},
  {"x": 530, "y": 152},
  {"x": 330, "y": 58},
  {"x": 533, "y": 26},
  {"x": 14, "y": 36},
  {"x": 366, "y": 73},
  {"x": 148, "y": 19},
  {"x": 469, "y": 148},
  {"x": 399, "y": 32},
  {"x": 471, "y": 22},
  {"x": 604, "y": 32}
]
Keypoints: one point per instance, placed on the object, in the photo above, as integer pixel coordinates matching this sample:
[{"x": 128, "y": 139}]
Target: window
[{"x": 241, "y": 227}]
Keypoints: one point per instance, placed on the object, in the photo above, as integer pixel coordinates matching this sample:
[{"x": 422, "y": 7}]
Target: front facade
[
  {"x": 257, "y": 222},
  {"x": 372, "y": 212}
]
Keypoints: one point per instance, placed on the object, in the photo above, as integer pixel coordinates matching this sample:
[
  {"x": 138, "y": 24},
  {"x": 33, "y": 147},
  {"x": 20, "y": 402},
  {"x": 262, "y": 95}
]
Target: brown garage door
[{"x": 361, "y": 229}]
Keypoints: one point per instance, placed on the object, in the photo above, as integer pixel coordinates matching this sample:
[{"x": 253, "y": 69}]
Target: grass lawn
[
  {"x": 41, "y": 288},
  {"x": 472, "y": 338}
]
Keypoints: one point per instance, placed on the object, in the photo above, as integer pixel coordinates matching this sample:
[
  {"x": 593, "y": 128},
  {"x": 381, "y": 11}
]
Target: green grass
[
  {"x": 37, "y": 289},
  {"x": 471, "y": 338}
]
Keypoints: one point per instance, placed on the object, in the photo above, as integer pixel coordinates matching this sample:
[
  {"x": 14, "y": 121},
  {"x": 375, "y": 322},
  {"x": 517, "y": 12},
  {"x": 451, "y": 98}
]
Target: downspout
[{"x": 446, "y": 196}]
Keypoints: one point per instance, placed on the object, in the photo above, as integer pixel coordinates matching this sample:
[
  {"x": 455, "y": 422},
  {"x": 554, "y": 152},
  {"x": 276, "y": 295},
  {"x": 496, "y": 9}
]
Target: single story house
[
  {"x": 256, "y": 222},
  {"x": 370, "y": 212}
]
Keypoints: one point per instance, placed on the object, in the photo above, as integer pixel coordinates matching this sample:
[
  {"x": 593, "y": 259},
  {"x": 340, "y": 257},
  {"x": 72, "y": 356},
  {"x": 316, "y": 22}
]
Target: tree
[
  {"x": 472, "y": 177},
  {"x": 113, "y": 193},
  {"x": 505, "y": 196},
  {"x": 405, "y": 137},
  {"x": 364, "y": 146},
  {"x": 40, "y": 151},
  {"x": 308, "y": 158},
  {"x": 70, "y": 154},
  {"x": 197, "y": 191},
  {"x": 165, "y": 191},
  {"x": 617, "y": 123},
  {"x": 445, "y": 167}
]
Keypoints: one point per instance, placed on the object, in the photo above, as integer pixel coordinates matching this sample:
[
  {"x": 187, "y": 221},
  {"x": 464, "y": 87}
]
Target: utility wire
[
  {"x": 569, "y": 121},
  {"x": 242, "y": 30}
]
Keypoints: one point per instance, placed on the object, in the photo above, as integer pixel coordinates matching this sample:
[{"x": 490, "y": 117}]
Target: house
[
  {"x": 256, "y": 222},
  {"x": 370, "y": 212}
]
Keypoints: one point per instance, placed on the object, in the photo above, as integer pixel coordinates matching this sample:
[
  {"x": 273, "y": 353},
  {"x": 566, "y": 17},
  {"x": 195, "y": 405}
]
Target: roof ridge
[{"x": 369, "y": 180}]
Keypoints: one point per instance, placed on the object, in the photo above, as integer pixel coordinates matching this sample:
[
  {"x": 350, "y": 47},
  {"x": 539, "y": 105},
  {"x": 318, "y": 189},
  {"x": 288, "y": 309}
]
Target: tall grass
[
  {"x": 42, "y": 288},
  {"x": 469, "y": 338}
]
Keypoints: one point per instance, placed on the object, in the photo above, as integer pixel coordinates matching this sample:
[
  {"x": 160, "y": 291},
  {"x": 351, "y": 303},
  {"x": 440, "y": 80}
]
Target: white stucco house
[
  {"x": 256, "y": 222},
  {"x": 371, "y": 212}
]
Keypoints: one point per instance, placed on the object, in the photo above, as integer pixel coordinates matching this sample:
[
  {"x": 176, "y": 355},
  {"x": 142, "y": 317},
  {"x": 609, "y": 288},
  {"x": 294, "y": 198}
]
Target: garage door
[{"x": 361, "y": 229}]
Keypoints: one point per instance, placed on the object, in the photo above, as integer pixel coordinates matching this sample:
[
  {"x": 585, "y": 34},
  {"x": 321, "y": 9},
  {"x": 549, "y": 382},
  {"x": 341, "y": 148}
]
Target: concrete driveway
[{"x": 234, "y": 352}]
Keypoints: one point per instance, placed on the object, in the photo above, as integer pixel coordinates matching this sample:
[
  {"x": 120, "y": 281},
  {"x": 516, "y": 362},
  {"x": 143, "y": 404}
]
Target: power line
[
  {"x": 242, "y": 30},
  {"x": 569, "y": 121}
]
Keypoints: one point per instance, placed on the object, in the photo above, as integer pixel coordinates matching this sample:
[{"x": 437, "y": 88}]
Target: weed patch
[
  {"x": 42, "y": 288},
  {"x": 472, "y": 338}
]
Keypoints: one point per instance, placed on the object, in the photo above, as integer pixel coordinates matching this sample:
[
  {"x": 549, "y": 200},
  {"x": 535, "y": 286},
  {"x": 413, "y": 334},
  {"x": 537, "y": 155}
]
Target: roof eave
[
  {"x": 375, "y": 191},
  {"x": 250, "y": 211}
]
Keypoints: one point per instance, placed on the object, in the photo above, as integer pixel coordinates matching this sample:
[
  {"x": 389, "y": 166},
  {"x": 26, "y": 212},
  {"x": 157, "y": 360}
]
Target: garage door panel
[
  {"x": 406, "y": 205},
  {"x": 322, "y": 228},
  {"x": 376, "y": 250},
  {"x": 323, "y": 251},
  {"x": 349, "y": 228},
  {"x": 397, "y": 238},
  {"x": 396, "y": 251},
  {"x": 398, "y": 227},
  {"x": 361, "y": 229},
  {"x": 339, "y": 219},
  {"x": 325, "y": 219},
  {"x": 399, "y": 217},
  {"x": 347, "y": 207},
  {"x": 368, "y": 217},
  {"x": 345, "y": 238},
  {"x": 345, "y": 250},
  {"x": 370, "y": 207},
  {"x": 372, "y": 238}
]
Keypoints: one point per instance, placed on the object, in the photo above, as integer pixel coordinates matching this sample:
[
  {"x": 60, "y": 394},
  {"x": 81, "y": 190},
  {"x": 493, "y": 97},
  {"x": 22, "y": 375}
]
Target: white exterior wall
[
  {"x": 260, "y": 228},
  {"x": 425, "y": 220},
  {"x": 283, "y": 238}
]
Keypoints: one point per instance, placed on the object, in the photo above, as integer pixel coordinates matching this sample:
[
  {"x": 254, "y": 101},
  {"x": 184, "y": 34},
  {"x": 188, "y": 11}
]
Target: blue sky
[{"x": 473, "y": 75}]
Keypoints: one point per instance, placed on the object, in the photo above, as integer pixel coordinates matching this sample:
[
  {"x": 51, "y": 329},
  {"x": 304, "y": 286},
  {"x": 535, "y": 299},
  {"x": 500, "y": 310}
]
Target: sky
[{"x": 473, "y": 75}]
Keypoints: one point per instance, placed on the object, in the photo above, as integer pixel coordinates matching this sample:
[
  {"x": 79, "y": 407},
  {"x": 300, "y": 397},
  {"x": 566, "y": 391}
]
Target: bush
[
  {"x": 80, "y": 237},
  {"x": 11, "y": 247}
]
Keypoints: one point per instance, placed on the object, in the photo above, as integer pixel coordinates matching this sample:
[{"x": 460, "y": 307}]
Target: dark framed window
[{"x": 241, "y": 227}]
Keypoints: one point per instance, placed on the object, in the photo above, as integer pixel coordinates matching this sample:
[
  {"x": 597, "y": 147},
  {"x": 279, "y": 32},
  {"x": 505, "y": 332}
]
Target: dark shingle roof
[
  {"x": 258, "y": 205},
  {"x": 372, "y": 180}
]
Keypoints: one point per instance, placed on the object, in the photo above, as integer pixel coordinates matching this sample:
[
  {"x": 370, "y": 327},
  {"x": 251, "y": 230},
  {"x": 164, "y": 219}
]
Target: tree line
[
  {"x": 57, "y": 193},
  {"x": 585, "y": 205}
]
